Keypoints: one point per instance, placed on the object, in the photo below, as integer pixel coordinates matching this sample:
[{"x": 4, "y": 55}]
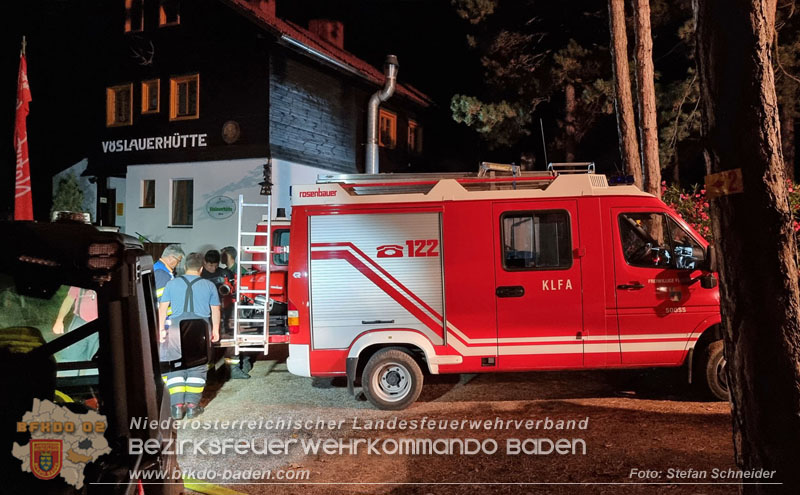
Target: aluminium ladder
[{"x": 252, "y": 341}]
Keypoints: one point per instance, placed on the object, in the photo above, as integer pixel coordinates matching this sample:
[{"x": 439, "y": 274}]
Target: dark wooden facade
[{"x": 287, "y": 103}]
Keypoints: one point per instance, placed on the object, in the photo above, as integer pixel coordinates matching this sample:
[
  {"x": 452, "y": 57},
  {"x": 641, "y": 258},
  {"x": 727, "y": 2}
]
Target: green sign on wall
[{"x": 220, "y": 207}]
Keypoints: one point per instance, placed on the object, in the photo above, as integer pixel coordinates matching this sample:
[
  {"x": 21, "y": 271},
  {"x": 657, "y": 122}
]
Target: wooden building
[{"x": 197, "y": 96}]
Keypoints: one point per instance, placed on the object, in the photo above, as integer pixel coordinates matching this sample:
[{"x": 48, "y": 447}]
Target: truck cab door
[
  {"x": 660, "y": 302},
  {"x": 538, "y": 285}
]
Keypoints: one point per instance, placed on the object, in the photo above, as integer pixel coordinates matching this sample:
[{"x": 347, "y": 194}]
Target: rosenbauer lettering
[{"x": 319, "y": 193}]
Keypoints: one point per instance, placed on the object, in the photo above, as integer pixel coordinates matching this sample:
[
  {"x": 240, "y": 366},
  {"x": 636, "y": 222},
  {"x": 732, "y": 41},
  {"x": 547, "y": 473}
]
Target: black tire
[
  {"x": 391, "y": 380},
  {"x": 712, "y": 368}
]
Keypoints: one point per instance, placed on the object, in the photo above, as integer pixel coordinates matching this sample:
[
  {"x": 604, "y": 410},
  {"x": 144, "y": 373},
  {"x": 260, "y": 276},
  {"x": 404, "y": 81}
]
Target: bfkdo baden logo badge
[
  {"x": 46, "y": 458},
  {"x": 62, "y": 442}
]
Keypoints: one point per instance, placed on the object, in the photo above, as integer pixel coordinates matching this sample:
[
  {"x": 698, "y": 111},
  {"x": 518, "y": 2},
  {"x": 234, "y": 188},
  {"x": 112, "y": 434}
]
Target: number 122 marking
[{"x": 422, "y": 247}]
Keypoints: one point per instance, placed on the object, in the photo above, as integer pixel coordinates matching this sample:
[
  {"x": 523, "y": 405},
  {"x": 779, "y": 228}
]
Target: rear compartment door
[
  {"x": 375, "y": 271},
  {"x": 538, "y": 285}
]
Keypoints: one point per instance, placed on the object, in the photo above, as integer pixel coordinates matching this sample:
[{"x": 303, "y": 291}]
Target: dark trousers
[{"x": 186, "y": 386}]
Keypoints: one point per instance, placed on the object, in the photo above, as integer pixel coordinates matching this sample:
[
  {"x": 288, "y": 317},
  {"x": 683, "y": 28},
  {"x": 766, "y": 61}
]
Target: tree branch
[
  {"x": 674, "y": 139},
  {"x": 778, "y": 60}
]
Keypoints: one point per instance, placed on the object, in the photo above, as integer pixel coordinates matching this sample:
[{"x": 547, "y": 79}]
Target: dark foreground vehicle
[{"x": 78, "y": 328}]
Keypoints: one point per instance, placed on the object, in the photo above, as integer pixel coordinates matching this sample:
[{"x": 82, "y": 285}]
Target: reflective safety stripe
[
  {"x": 173, "y": 380},
  {"x": 195, "y": 390},
  {"x": 164, "y": 377},
  {"x": 64, "y": 397},
  {"x": 178, "y": 390},
  {"x": 196, "y": 379},
  {"x": 232, "y": 360},
  {"x": 159, "y": 293}
]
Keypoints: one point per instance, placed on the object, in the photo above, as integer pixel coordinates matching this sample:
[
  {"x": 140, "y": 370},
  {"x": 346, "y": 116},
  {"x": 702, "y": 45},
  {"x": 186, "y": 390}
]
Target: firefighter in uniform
[
  {"x": 239, "y": 367},
  {"x": 189, "y": 296},
  {"x": 164, "y": 271},
  {"x": 164, "y": 268}
]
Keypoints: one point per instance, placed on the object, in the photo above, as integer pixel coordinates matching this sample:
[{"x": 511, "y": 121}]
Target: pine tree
[
  {"x": 787, "y": 78},
  {"x": 646, "y": 97},
  {"x": 529, "y": 60},
  {"x": 626, "y": 124},
  {"x": 69, "y": 195},
  {"x": 759, "y": 294}
]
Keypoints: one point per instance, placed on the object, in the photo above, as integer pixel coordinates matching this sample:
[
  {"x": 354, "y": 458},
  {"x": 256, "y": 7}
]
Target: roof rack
[
  {"x": 571, "y": 168},
  {"x": 486, "y": 179}
]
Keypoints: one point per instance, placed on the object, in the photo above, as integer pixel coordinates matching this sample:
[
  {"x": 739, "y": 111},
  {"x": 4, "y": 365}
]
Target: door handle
[
  {"x": 633, "y": 286},
  {"x": 510, "y": 291}
]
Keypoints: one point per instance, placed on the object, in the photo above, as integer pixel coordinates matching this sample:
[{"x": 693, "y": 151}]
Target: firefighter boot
[
  {"x": 235, "y": 366},
  {"x": 247, "y": 364},
  {"x": 193, "y": 411},
  {"x": 237, "y": 373},
  {"x": 178, "y": 411}
]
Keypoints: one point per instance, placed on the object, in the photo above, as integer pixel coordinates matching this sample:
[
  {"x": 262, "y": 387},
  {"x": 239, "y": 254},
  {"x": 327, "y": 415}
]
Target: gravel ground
[{"x": 637, "y": 420}]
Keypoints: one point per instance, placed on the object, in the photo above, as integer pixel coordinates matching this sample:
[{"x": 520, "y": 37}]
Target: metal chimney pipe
[{"x": 390, "y": 68}]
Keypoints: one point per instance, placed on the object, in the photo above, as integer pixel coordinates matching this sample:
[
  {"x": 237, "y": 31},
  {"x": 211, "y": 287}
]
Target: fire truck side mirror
[
  {"x": 708, "y": 281},
  {"x": 711, "y": 259}
]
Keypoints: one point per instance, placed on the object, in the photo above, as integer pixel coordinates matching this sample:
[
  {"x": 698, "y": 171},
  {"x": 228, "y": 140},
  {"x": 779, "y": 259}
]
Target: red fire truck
[{"x": 391, "y": 274}]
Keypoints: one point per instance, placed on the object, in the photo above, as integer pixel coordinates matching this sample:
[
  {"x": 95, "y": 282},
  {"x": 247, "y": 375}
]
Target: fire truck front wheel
[
  {"x": 392, "y": 379},
  {"x": 716, "y": 378}
]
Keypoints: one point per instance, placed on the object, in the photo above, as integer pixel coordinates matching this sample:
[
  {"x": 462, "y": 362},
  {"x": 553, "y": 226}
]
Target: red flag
[{"x": 23, "y": 199}]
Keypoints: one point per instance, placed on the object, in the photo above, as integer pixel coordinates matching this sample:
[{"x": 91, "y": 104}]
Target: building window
[
  {"x": 536, "y": 240},
  {"x": 280, "y": 239},
  {"x": 148, "y": 199},
  {"x": 119, "y": 110},
  {"x": 414, "y": 137},
  {"x": 151, "y": 102},
  {"x": 184, "y": 97},
  {"x": 134, "y": 16},
  {"x": 387, "y": 137},
  {"x": 169, "y": 13},
  {"x": 182, "y": 202}
]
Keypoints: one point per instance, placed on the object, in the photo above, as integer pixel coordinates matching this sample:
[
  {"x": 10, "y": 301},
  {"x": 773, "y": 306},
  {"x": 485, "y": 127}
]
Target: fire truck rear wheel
[
  {"x": 714, "y": 364},
  {"x": 392, "y": 379}
]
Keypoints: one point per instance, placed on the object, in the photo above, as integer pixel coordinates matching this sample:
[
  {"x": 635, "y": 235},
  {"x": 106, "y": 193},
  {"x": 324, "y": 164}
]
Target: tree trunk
[
  {"x": 623, "y": 100},
  {"x": 759, "y": 288},
  {"x": 569, "y": 114},
  {"x": 787, "y": 141},
  {"x": 645, "y": 86}
]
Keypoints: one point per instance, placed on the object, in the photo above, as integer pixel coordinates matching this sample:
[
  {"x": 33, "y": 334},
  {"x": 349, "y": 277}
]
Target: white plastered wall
[
  {"x": 210, "y": 179},
  {"x": 119, "y": 184}
]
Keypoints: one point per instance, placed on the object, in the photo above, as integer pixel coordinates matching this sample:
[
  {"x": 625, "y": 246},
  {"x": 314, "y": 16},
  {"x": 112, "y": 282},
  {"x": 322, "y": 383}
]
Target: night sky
[{"x": 426, "y": 35}]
